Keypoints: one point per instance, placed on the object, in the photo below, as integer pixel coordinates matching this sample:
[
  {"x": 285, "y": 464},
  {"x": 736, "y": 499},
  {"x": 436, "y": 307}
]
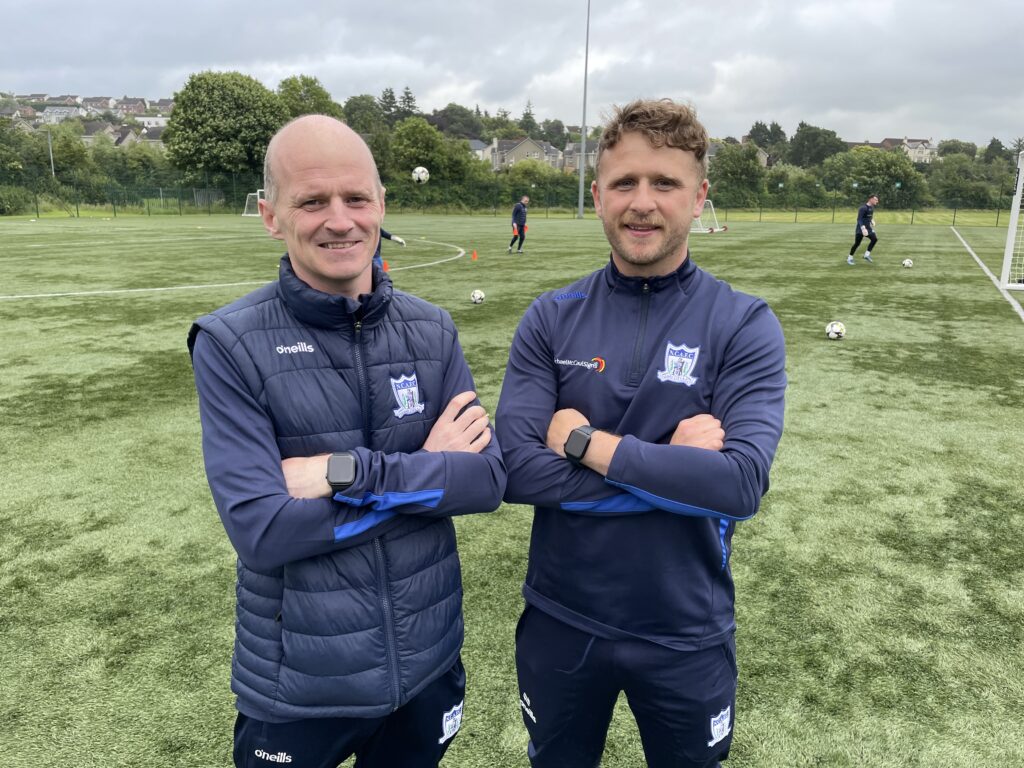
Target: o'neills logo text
[
  {"x": 593, "y": 364},
  {"x": 300, "y": 347},
  {"x": 280, "y": 757}
]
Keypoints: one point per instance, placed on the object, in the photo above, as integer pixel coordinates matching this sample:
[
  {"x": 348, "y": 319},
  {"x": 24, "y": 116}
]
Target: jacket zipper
[
  {"x": 389, "y": 620},
  {"x": 636, "y": 369},
  {"x": 387, "y": 609}
]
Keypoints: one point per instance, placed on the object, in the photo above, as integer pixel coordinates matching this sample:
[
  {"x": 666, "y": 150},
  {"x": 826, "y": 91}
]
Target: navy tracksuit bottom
[
  {"x": 683, "y": 701},
  {"x": 414, "y": 736}
]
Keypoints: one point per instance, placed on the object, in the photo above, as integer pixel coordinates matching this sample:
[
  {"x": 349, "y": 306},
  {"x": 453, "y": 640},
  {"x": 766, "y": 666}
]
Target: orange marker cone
[
  {"x": 385, "y": 265},
  {"x": 474, "y": 256}
]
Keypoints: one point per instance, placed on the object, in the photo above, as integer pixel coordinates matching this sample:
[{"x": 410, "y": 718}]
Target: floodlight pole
[
  {"x": 582, "y": 153},
  {"x": 49, "y": 143}
]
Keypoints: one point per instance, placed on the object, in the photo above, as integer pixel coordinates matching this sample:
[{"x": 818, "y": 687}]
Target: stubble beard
[{"x": 673, "y": 244}]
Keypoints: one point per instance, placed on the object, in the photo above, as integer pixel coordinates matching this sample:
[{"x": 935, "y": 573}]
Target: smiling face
[
  {"x": 647, "y": 198},
  {"x": 327, "y": 204}
]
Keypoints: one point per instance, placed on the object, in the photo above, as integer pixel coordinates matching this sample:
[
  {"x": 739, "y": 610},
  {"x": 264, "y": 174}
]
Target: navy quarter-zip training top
[{"x": 643, "y": 553}]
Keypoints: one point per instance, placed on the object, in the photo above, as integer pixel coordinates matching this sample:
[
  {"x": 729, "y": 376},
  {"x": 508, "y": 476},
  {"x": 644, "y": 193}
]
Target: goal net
[
  {"x": 707, "y": 222},
  {"x": 252, "y": 203},
  {"x": 1013, "y": 256}
]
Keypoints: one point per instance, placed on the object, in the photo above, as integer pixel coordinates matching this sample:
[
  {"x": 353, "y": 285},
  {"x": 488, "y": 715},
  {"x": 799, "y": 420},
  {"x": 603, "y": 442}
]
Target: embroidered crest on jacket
[
  {"x": 407, "y": 393},
  {"x": 680, "y": 362}
]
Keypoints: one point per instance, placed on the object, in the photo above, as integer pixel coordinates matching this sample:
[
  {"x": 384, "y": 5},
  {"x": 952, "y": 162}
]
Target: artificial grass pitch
[{"x": 880, "y": 589}]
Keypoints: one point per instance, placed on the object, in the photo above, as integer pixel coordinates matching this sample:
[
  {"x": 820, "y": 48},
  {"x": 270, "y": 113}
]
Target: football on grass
[
  {"x": 477, "y": 296},
  {"x": 835, "y": 330},
  {"x": 420, "y": 174},
  {"x": 908, "y": 263}
]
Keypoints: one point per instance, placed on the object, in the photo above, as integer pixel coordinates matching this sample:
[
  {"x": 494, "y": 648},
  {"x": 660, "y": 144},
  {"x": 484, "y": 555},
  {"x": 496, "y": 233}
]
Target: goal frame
[
  {"x": 707, "y": 222},
  {"x": 1012, "y": 276},
  {"x": 254, "y": 198}
]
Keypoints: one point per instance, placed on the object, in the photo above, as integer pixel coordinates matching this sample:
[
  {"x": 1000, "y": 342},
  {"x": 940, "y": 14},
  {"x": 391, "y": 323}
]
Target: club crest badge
[
  {"x": 721, "y": 725},
  {"x": 680, "y": 362},
  {"x": 407, "y": 393},
  {"x": 451, "y": 721}
]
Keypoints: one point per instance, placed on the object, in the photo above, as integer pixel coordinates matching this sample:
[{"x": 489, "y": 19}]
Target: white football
[
  {"x": 835, "y": 330},
  {"x": 420, "y": 174},
  {"x": 477, "y": 296},
  {"x": 907, "y": 263}
]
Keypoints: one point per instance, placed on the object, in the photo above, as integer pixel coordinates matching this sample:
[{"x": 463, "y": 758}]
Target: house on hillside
[
  {"x": 53, "y": 114},
  {"x": 918, "y": 150},
  {"x": 504, "y": 153},
  {"x": 98, "y": 103},
  {"x": 94, "y": 128},
  {"x": 153, "y": 136},
  {"x": 131, "y": 106},
  {"x": 163, "y": 106},
  {"x": 125, "y": 136},
  {"x": 571, "y": 155}
]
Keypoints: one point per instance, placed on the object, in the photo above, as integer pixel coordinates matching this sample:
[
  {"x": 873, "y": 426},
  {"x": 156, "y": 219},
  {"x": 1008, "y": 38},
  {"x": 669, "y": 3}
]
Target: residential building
[{"x": 571, "y": 155}]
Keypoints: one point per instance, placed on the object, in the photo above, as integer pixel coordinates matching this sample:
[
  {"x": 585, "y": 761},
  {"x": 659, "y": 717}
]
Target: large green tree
[
  {"x": 811, "y": 145},
  {"x": 456, "y": 120},
  {"x": 955, "y": 146},
  {"x": 222, "y": 122},
  {"x": 363, "y": 115},
  {"x": 890, "y": 175},
  {"x": 304, "y": 95},
  {"x": 736, "y": 176}
]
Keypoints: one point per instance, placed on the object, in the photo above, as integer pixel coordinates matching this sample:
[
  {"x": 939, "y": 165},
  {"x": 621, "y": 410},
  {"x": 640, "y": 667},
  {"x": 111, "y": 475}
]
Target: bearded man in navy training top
[
  {"x": 341, "y": 433},
  {"x": 640, "y": 413}
]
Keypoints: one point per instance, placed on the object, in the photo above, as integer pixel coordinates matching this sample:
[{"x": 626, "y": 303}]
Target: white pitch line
[
  {"x": 1006, "y": 294},
  {"x": 130, "y": 290},
  {"x": 459, "y": 255}
]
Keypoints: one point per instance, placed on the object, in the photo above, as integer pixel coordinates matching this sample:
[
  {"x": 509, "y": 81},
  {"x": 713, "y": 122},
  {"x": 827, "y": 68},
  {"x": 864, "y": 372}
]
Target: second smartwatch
[{"x": 576, "y": 446}]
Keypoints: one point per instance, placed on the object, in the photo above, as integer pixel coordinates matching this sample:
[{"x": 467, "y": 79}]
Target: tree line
[{"x": 222, "y": 121}]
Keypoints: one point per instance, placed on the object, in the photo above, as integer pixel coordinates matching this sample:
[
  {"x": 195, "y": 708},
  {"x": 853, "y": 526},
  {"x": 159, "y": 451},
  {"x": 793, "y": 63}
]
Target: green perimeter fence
[{"x": 488, "y": 199}]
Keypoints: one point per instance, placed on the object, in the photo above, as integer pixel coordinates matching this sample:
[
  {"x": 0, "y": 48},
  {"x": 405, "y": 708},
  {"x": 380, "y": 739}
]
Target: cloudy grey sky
[{"x": 867, "y": 69}]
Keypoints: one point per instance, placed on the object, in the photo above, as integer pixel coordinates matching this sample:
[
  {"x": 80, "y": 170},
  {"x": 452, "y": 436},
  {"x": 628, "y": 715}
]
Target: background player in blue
[
  {"x": 385, "y": 235},
  {"x": 865, "y": 228},
  {"x": 340, "y": 433},
  {"x": 519, "y": 223},
  {"x": 639, "y": 414}
]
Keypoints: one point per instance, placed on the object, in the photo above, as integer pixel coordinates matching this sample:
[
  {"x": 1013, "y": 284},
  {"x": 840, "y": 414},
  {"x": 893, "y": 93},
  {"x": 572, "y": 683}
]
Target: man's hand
[
  {"x": 306, "y": 477},
  {"x": 397, "y": 239},
  {"x": 562, "y": 423},
  {"x": 458, "y": 430},
  {"x": 864, "y": 231},
  {"x": 700, "y": 431}
]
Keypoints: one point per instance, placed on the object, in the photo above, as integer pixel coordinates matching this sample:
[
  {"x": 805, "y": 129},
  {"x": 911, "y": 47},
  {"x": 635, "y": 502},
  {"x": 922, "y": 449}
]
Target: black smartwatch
[
  {"x": 576, "y": 446},
  {"x": 341, "y": 470}
]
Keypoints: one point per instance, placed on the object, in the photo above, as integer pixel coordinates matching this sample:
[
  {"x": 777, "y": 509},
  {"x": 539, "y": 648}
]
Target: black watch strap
[{"x": 578, "y": 442}]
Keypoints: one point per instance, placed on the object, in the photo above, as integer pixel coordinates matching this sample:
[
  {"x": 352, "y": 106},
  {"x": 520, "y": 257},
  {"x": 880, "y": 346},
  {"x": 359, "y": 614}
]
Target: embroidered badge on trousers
[
  {"x": 451, "y": 722},
  {"x": 721, "y": 725}
]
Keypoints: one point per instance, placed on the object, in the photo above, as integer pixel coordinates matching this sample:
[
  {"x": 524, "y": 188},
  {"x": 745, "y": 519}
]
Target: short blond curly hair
[{"x": 662, "y": 122}]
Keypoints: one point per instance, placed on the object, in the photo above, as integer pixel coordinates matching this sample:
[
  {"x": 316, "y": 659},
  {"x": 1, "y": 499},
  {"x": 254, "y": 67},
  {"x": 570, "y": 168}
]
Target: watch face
[
  {"x": 576, "y": 445},
  {"x": 341, "y": 470}
]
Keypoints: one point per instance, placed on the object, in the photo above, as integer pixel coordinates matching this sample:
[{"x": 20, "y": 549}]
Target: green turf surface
[{"x": 880, "y": 590}]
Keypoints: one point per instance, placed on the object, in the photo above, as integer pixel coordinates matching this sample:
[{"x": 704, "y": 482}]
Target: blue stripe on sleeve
[
  {"x": 674, "y": 506},
  {"x": 620, "y": 504},
  {"x": 428, "y": 498},
  {"x": 723, "y": 528},
  {"x": 367, "y": 521}
]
